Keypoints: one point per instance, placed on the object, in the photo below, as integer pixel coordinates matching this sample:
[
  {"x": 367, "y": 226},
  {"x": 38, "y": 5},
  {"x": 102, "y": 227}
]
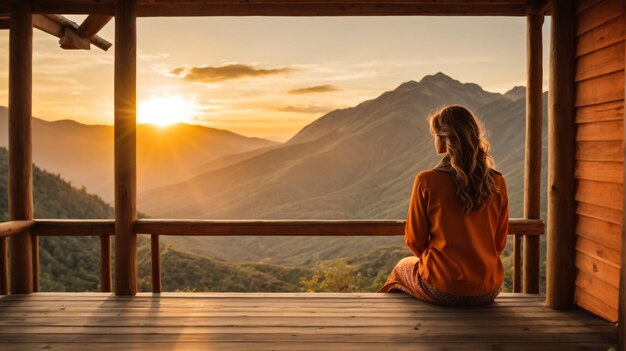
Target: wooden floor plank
[
  {"x": 290, "y": 321},
  {"x": 296, "y": 346}
]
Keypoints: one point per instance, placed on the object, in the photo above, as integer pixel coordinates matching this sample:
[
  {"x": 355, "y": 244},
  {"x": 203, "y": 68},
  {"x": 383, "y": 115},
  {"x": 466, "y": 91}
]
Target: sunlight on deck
[{"x": 289, "y": 321}]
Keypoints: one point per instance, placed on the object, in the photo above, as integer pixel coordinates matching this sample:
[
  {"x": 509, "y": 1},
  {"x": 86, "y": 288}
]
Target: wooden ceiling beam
[
  {"x": 541, "y": 7},
  {"x": 65, "y": 30},
  {"x": 330, "y": 9},
  {"x": 174, "y": 8},
  {"x": 92, "y": 25}
]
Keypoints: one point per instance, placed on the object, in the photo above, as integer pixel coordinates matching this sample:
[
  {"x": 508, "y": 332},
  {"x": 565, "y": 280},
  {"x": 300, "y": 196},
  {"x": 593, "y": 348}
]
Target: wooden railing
[{"x": 104, "y": 229}]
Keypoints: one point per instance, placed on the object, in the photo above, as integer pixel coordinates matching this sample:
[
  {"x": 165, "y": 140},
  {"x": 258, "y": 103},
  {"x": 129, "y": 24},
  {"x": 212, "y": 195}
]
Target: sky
[{"x": 271, "y": 76}]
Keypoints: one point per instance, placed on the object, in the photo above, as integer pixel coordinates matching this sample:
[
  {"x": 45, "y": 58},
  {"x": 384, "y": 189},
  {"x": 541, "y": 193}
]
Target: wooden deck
[{"x": 289, "y": 321}]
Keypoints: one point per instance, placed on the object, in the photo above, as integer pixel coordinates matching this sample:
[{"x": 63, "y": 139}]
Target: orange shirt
[{"x": 459, "y": 254}]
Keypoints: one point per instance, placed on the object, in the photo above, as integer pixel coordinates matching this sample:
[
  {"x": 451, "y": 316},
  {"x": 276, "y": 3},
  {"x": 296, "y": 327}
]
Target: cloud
[
  {"x": 305, "y": 108},
  {"x": 314, "y": 89},
  {"x": 209, "y": 74}
]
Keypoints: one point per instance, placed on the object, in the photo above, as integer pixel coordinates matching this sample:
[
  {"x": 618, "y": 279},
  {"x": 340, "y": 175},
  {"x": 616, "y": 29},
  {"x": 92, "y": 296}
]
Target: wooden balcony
[
  {"x": 290, "y": 321},
  {"x": 104, "y": 229}
]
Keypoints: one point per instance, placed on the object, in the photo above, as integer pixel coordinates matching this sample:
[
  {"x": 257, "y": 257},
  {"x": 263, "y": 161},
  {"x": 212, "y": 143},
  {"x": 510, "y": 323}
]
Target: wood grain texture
[
  {"x": 601, "y": 37},
  {"x": 600, "y": 131},
  {"x": 599, "y": 231},
  {"x": 599, "y": 250},
  {"x": 611, "y": 111},
  {"x": 598, "y": 14},
  {"x": 598, "y": 151},
  {"x": 20, "y": 144},
  {"x": 598, "y": 212},
  {"x": 561, "y": 153},
  {"x": 603, "y": 194},
  {"x": 601, "y": 62},
  {"x": 125, "y": 131},
  {"x": 601, "y": 89},
  {"x": 599, "y": 289},
  {"x": 602, "y": 171},
  {"x": 608, "y": 273},
  {"x": 621, "y": 310},
  {"x": 290, "y": 321},
  {"x": 594, "y": 305}
]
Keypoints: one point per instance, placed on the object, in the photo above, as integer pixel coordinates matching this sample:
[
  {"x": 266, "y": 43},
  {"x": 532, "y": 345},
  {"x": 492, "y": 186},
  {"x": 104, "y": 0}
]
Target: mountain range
[
  {"x": 351, "y": 163},
  {"x": 83, "y": 154}
]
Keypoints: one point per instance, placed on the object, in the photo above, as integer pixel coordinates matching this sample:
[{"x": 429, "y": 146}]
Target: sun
[{"x": 164, "y": 111}]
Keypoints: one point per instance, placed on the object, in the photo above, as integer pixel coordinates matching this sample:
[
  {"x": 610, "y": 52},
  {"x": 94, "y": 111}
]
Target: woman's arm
[{"x": 416, "y": 232}]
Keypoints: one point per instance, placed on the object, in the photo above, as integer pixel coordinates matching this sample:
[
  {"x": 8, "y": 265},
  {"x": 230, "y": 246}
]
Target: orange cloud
[
  {"x": 314, "y": 89},
  {"x": 304, "y": 108},
  {"x": 209, "y": 74}
]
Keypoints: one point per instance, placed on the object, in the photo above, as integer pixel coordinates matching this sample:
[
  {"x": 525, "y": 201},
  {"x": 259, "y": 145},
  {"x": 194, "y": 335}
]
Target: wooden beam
[
  {"x": 5, "y": 23},
  {"x": 299, "y": 227},
  {"x": 69, "y": 227},
  {"x": 532, "y": 164},
  {"x": 71, "y": 40},
  {"x": 92, "y": 25},
  {"x": 561, "y": 151},
  {"x": 20, "y": 143},
  {"x": 540, "y": 7},
  {"x": 15, "y": 227},
  {"x": 199, "y": 227},
  {"x": 58, "y": 26},
  {"x": 150, "y": 8},
  {"x": 125, "y": 131}
]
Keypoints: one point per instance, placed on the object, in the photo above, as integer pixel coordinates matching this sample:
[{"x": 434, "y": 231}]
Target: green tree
[{"x": 334, "y": 277}]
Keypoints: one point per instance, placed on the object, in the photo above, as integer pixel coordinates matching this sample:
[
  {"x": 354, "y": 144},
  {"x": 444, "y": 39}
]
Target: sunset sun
[{"x": 164, "y": 111}]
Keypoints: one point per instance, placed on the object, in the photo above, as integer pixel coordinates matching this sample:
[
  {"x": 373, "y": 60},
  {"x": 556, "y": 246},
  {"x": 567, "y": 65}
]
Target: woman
[{"x": 458, "y": 219}]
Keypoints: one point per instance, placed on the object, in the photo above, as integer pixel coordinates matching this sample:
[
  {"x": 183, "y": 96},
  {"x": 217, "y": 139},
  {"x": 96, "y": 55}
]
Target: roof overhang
[{"x": 175, "y": 8}]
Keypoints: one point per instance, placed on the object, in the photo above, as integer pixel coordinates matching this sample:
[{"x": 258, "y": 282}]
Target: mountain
[
  {"x": 351, "y": 163},
  {"x": 83, "y": 154},
  {"x": 72, "y": 263}
]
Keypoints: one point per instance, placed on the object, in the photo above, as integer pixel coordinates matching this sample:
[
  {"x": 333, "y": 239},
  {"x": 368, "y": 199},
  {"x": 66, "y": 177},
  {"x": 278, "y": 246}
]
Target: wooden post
[
  {"x": 156, "y": 263},
  {"x": 517, "y": 263},
  {"x": 532, "y": 167},
  {"x": 20, "y": 143},
  {"x": 561, "y": 150},
  {"x": 4, "y": 267},
  {"x": 125, "y": 147},
  {"x": 35, "y": 243},
  {"x": 105, "y": 263}
]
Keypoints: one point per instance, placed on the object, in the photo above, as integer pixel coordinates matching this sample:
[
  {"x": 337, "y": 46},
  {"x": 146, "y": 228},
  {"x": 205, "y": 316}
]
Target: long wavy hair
[{"x": 468, "y": 151}]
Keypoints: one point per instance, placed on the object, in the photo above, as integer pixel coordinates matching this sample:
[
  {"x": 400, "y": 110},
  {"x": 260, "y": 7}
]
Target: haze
[{"x": 270, "y": 76}]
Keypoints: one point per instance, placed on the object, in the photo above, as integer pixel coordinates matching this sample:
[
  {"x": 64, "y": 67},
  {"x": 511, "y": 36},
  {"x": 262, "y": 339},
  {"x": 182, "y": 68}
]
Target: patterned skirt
[{"x": 404, "y": 277}]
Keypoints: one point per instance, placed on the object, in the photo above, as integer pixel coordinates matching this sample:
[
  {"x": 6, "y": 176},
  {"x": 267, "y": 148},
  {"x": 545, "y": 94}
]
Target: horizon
[
  {"x": 269, "y": 77},
  {"x": 191, "y": 123}
]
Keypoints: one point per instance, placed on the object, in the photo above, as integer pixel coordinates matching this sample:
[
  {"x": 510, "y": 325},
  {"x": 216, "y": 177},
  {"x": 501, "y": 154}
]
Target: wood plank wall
[{"x": 599, "y": 157}]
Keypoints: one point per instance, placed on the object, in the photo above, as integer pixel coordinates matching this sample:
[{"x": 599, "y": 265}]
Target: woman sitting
[{"x": 457, "y": 222}]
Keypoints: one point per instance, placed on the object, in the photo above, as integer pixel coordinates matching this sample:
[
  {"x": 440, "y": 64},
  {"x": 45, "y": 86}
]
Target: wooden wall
[{"x": 599, "y": 156}]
